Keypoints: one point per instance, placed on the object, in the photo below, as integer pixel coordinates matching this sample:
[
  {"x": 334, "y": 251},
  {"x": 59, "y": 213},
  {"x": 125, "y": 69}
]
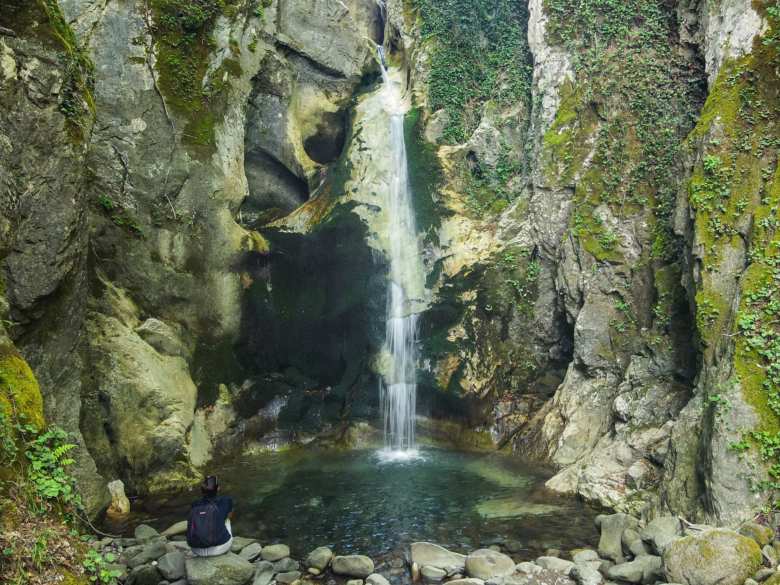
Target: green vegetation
[
  {"x": 120, "y": 216},
  {"x": 618, "y": 131},
  {"x": 425, "y": 175},
  {"x": 479, "y": 53},
  {"x": 182, "y": 32},
  {"x": 39, "y": 504}
]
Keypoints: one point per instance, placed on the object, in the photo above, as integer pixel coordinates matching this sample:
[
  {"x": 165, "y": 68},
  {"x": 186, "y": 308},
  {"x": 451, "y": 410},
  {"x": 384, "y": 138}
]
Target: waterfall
[{"x": 398, "y": 386}]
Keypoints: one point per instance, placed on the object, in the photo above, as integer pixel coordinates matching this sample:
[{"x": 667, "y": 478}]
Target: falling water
[{"x": 398, "y": 389}]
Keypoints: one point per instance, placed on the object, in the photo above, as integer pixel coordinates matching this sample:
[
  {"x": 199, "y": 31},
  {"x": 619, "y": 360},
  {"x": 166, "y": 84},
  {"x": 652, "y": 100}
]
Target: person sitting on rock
[{"x": 209, "y": 532}]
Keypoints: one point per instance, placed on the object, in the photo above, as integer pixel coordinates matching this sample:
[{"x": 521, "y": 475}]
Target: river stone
[
  {"x": 645, "y": 569},
  {"x": 469, "y": 581},
  {"x": 584, "y": 555},
  {"x": 585, "y": 574},
  {"x": 763, "y": 535},
  {"x": 264, "y": 573},
  {"x": 487, "y": 564},
  {"x": 251, "y": 551},
  {"x": 433, "y": 574},
  {"x": 275, "y": 552},
  {"x": 176, "y": 529},
  {"x": 286, "y": 565},
  {"x": 770, "y": 554},
  {"x": 144, "y": 532},
  {"x": 661, "y": 532},
  {"x": 143, "y": 575},
  {"x": 319, "y": 558},
  {"x": 171, "y": 565},
  {"x": 433, "y": 555},
  {"x": 240, "y": 543},
  {"x": 715, "y": 557},
  {"x": 227, "y": 569},
  {"x": 151, "y": 552},
  {"x": 355, "y": 582},
  {"x": 290, "y": 577},
  {"x": 555, "y": 564},
  {"x": 611, "y": 542},
  {"x": 353, "y": 566},
  {"x": 376, "y": 579},
  {"x": 763, "y": 574}
]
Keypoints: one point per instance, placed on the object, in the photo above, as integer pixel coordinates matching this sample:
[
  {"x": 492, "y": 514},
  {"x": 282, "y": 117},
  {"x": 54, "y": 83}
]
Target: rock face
[
  {"x": 191, "y": 233},
  {"x": 717, "y": 556}
]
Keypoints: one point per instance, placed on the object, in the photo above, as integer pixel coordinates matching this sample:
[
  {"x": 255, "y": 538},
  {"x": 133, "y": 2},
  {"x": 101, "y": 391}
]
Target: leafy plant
[{"x": 99, "y": 569}]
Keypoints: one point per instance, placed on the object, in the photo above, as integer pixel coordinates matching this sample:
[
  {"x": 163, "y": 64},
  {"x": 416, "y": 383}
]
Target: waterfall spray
[{"x": 398, "y": 388}]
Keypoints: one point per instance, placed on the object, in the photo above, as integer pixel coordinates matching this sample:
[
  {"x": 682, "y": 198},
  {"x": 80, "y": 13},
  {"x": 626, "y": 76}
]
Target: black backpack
[{"x": 204, "y": 525}]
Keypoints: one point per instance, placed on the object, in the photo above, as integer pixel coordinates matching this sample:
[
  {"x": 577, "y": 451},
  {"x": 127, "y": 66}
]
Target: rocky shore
[{"x": 666, "y": 550}]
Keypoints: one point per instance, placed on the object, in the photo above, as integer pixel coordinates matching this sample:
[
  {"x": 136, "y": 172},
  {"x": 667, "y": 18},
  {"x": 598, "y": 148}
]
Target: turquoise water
[{"x": 352, "y": 502}]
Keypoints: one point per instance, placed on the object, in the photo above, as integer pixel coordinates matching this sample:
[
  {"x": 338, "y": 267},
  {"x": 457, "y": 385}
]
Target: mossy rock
[
  {"x": 763, "y": 535},
  {"x": 20, "y": 395},
  {"x": 715, "y": 557}
]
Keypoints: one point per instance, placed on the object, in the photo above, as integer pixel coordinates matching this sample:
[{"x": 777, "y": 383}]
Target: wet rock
[
  {"x": 611, "y": 541},
  {"x": 555, "y": 564},
  {"x": 143, "y": 575},
  {"x": 433, "y": 574},
  {"x": 376, "y": 579},
  {"x": 264, "y": 573},
  {"x": 227, "y": 569},
  {"x": 275, "y": 552},
  {"x": 716, "y": 557},
  {"x": 144, "y": 532},
  {"x": 433, "y": 555},
  {"x": 353, "y": 566},
  {"x": 290, "y": 577},
  {"x": 176, "y": 529},
  {"x": 251, "y": 551},
  {"x": 171, "y": 565},
  {"x": 645, "y": 569},
  {"x": 319, "y": 558},
  {"x": 489, "y": 564}
]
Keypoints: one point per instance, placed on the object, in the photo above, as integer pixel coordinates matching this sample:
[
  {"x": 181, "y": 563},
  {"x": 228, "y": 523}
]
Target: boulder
[
  {"x": 611, "y": 541},
  {"x": 319, "y": 558},
  {"x": 661, "y": 532},
  {"x": 171, "y": 565},
  {"x": 488, "y": 564},
  {"x": 289, "y": 577},
  {"x": 555, "y": 564},
  {"x": 646, "y": 569},
  {"x": 251, "y": 551},
  {"x": 584, "y": 556},
  {"x": 240, "y": 543},
  {"x": 353, "y": 566},
  {"x": 433, "y": 555},
  {"x": 715, "y": 557},
  {"x": 433, "y": 574},
  {"x": 376, "y": 579},
  {"x": 264, "y": 573},
  {"x": 227, "y": 569},
  {"x": 176, "y": 529},
  {"x": 585, "y": 574},
  {"x": 275, "y": 552},
  {"x": 763, "y": 535},
  {"x": 150, "y": 552},
  {"x": 144, "y": 532},
  {"x": 143, "y": 575}
]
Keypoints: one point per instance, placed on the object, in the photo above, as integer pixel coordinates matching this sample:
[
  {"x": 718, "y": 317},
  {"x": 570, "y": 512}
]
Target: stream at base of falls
[{"x": 355, "y": 503}]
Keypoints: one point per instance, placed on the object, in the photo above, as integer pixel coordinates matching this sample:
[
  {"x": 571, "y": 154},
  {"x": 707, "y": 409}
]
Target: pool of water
[{"x": 356, "y": 502}]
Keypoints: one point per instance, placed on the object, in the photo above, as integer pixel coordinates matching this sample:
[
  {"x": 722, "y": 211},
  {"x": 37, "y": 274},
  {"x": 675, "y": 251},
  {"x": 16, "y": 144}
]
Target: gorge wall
[{"x": 192, "y": 247}]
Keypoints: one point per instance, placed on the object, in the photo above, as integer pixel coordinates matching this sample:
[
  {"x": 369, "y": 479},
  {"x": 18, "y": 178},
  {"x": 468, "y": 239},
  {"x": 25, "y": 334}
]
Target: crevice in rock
[{"x": 288, "y": 50}]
